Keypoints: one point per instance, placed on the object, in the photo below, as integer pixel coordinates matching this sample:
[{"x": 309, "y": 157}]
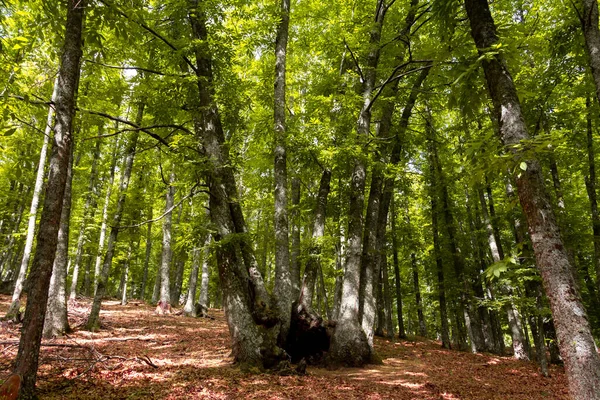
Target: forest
[{"x": 253, "y": 199}]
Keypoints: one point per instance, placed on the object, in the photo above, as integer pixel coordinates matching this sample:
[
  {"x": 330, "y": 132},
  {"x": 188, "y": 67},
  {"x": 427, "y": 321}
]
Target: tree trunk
[
  {"x": 104, "y": 224},
  {"x": 284, "y": 288},
  {"x": 582, "y": 363},
  {"x": 313, "y": 262},
  {"x": 204, "y": 299},
  {"x": 591, "y": 32},
  {"x": 164, "y": 300},
  {"x": 189, "y": 309},
  {"x": 93, "y": 321},
  {"x": 35, "y": 201},
  {"x": 518, "y": 342},
  {"x": 126, "y": 275},
  {"x": 68, "y": 78},
  {"x": 89, "y": 210},
  {"x": 350, "y": 344},
  {"x": 398, "y": 281},
  {"x": 387, "y": 296},
  {"x": 252, "y": 324},
  {"x": 295, "y": 245},
  {"x": 56, "y": 322},
  {"x": 148, "y": 254}
]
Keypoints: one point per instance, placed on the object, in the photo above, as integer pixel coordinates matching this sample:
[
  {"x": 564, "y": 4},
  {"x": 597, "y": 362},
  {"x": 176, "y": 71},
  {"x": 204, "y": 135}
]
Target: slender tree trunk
[
  {"x": 93, "y": 321},
  {"x": 445, "y": 331},
  {"x": 156, "y": 291},
  {"x": 35, "y": 201},
  {"x": 189, "y": 309},
  {"x": 56, "y": 322},
  {"x": 398, "y": 280},
  {"x": 387, "y": 297},
  {"x": 284, "y": 287},
  {"x": 89, "y": 210},
  {"x": 167, "y": 253},
  {"x": 147, "y": 256},
  {"x": 313, "y": 262},
  {"x": 178, "y": 281},
  {"x": 518, "y": 341},
  {"x": 203, "y": 299},
  {"x": 295, "y": 241},
  {"x": 104, "y": 224},
  {"x": 582, "y": 363},
  {"x": 591, "y": 33},
  {"x": 126, "y": 275},
  {"x": 68, "y": 78}
]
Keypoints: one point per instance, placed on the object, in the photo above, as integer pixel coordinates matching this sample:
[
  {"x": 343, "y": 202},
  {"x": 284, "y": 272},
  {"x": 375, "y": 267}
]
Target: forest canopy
[{"x": 325, "y": 172}]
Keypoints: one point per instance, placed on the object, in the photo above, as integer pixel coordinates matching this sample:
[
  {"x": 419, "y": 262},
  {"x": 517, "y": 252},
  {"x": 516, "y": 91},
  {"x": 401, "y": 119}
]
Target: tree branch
[
  {"x": 151, "y": 71},
  {"x": 362, "y": 77}
]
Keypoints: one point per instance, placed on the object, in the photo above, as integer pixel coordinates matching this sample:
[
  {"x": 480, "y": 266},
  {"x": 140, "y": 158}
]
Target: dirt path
[{"x": 192, "y": 360}]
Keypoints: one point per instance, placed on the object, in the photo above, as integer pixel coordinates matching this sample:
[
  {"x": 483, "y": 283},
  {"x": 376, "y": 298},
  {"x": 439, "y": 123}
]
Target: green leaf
[{"x": 523, "y": 166}]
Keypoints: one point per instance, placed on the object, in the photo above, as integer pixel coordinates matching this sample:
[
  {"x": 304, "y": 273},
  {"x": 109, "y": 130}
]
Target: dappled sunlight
[{"x": 192, "y": 360}]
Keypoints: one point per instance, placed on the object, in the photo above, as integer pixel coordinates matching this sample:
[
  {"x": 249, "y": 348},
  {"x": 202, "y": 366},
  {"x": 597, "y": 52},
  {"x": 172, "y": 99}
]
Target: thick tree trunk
[
  {"x": 89, "y": 210},
  {"x": 203, "y": 298},
  {"x": 578, "y": 350},
  {"x": 164, "y": 300},
  {"x": 35, "y": 201},
  {"x": 104, "y": 223},
  {"x": 253, "y": 327},
  {"x": 352, "y": 344},
  {"x": 313, "y": 262},
  {"x": 68, "y": 78},
  {"x": 56, "y": 322},
  {"x": 93, "y": 321},
  {"x": 398, "y": 280},
  {"x": 284, "y": 288}
]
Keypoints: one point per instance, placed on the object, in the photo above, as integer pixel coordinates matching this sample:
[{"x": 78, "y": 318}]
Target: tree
[
  {"x": 572, "y": 326},
  {"x": 41, "y": 270}
]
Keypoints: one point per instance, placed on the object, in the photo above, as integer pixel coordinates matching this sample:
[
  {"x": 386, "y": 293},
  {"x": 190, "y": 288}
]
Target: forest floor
[{"x": 140, "y": 355}]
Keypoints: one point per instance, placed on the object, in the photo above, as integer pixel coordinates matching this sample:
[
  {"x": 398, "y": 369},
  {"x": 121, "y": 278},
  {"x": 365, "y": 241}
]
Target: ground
[{"x": 140, "y": 355}]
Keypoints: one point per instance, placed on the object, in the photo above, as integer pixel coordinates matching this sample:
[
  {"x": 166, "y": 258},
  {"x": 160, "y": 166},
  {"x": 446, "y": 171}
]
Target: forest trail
[{"x": 192, "y": 360}]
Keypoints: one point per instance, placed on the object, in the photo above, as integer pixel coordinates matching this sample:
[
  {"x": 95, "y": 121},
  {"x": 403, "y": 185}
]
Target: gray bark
[
  {"x": 148, "y": 254},
  {"x": 88, "y": 214},
  {"x": 56, "y": 322},
  {"x": 577, "y": 347},
  {"x": 126, "y": 275},
  {"x": 591, "y": 33},
  {"x": 350, "y": 343},
  {"x": 203, "y": 299},
  {"x": 93, "y": 321},
  {"x": 104, "y": 224},
  {"x": 398, "y": 281},
  {"x": 283, "y": 290},
  {"x": 295, "y": 241},
  {"x": 167, "y": 253},
  {"x": 68, "y": 78},
  {"x": 35, "y": 201},
  {"x": 252, "y": 324},
  {"x": 189, "y": 308},
  {"x": 313, "y": 262}
]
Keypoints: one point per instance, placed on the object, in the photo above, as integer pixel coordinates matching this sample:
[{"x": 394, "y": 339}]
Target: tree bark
[
  {"x": 284, "y": 288},
  {"x": 148, "y": 254},
  {"x": 295, "y": 241},
  {"x": 350, "y": 343},
  {"x": 313, "y": 262},
  {"x": 164, "y": 299},
  {"x": 68, "y": 78},
  {"x": 398, "y": 280},
  {"x": 591, "y": 33},
  {"x": 35, "y": 201},
  {"x": 189, "y": 309},
  {"x": 93, "y": 321},
  {"x": 56, "y": 322},
  {"x": 578, "y": 350},
  {"x": 104, "y": 224},
  {"x": 253, "y": 326},
  {"x": 89, "y": 210}
]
